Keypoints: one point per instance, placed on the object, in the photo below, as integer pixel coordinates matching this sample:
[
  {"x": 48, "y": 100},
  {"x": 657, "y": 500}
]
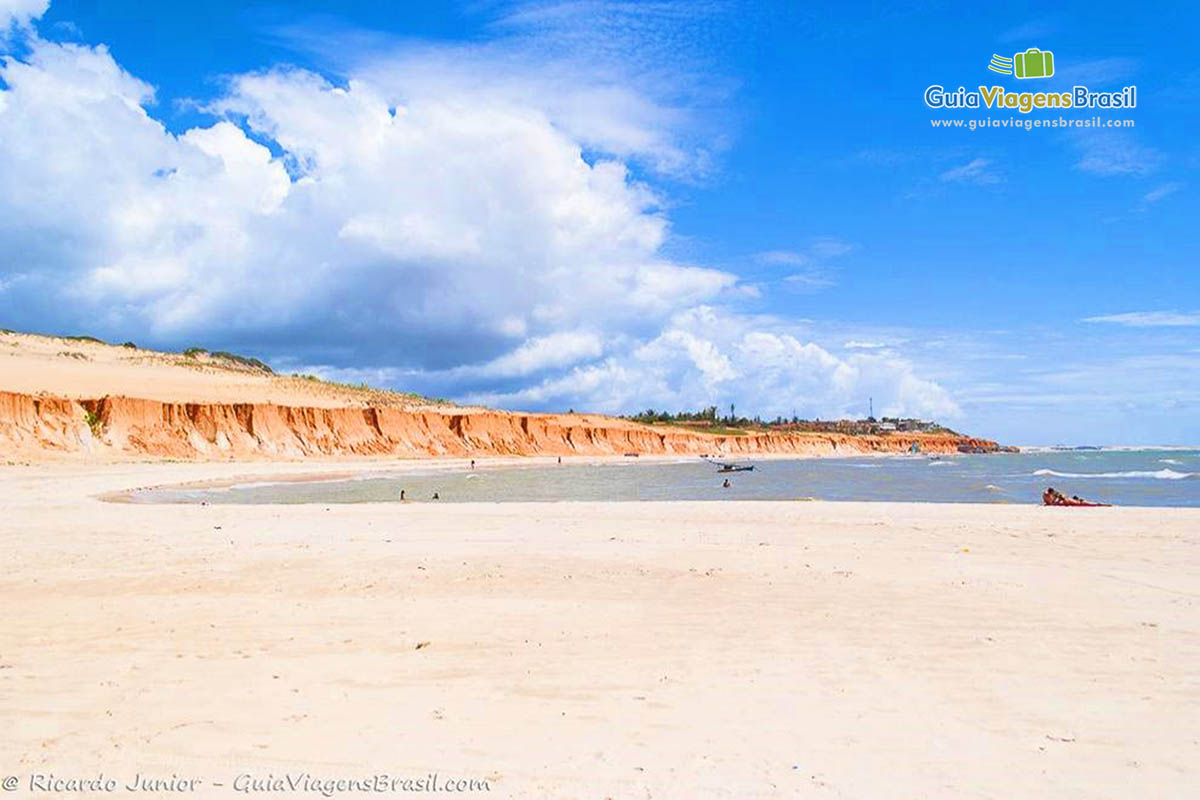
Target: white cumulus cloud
[
  {"x": 20, "y": 13},
  {"x": 405, "y": 224},
  {"x": 708, "y": 356}
]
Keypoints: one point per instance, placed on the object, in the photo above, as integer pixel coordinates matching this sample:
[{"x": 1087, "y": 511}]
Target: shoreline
[
  {"x": 172, "y": 479},
  {"x": 457, "y": 465}
]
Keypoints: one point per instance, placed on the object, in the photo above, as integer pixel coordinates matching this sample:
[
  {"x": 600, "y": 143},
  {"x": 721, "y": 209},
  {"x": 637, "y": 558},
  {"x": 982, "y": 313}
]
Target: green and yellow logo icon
[{"x": 1033, "y": 63}]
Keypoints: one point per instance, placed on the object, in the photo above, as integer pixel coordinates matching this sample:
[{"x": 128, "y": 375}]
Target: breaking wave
[{"x": 1161, "y": 474}]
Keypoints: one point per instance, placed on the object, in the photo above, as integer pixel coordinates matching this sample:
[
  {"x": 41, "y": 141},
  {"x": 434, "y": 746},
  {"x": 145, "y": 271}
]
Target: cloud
[
  {"x": 624, "y": 78},
  {"x": 1150, "y": 319},
  {"x": 1158, "y": 193},
  {"x": 706, "y": 356},
  {"x": 474, "y": 229},
  {"x": 1115, "y": 154},
  {"x": 810, "y": 280},
  {"x": 1043, "y": 384},
  {"x": 829, "y": 247},
  {"x": 20, "y": 13},
  {"x": 540, "y": 353},
  {"x": 442, "y": 216},
  {"x": 976, "y": 171},
  {"x": 812, "y": 271}
]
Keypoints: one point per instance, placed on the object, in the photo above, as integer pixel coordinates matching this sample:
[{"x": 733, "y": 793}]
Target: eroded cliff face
[{"x": 136, "y": 428}]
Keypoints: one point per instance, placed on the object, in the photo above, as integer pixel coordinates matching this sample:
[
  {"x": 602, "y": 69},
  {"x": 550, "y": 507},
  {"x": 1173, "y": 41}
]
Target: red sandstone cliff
[{"x": 126, "y": 427}]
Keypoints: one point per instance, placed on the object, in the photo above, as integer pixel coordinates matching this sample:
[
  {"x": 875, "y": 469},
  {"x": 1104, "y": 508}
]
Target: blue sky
[{"x": 610, "y": 206}]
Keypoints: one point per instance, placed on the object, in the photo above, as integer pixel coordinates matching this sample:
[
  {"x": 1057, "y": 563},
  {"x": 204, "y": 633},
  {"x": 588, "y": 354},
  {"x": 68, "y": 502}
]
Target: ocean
[{"x": 1131, "y": 477}]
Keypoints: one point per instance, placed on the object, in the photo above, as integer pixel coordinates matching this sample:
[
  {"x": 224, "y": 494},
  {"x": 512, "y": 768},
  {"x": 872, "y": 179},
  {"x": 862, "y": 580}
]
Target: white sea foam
[
  {"x": 1124, "y": 448},
  {"x": 1161, "y": 474}
]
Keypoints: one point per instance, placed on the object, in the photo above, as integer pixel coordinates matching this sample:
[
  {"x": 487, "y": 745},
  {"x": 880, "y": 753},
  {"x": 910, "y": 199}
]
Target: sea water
[{"x": 1121, "y": 477}]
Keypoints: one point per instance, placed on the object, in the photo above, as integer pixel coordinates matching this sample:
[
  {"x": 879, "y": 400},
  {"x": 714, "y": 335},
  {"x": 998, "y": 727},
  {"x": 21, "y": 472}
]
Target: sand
[
  {"x": 30, "y": 364},
  {"x": 701, "y": 650}
]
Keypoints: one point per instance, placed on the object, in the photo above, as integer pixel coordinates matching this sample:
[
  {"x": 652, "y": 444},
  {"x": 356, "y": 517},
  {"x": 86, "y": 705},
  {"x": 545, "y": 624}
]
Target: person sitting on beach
[{"x": 1053, "y": 497}]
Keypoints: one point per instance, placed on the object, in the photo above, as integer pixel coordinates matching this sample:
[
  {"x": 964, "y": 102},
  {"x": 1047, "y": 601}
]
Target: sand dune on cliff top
[{"x": 79, "y": 369}]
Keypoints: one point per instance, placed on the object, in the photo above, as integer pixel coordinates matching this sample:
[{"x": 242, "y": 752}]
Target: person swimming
[{"x": 726, "y": 484}]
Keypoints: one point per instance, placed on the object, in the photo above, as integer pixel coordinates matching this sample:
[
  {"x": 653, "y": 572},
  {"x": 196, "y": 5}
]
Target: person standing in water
[{"x": 726, "y": 484}]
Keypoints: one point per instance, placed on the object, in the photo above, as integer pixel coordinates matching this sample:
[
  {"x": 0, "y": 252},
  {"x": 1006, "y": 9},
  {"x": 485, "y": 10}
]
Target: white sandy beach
[
  {"x": 697, "y": 650},
  {"x": 733, "y": 301}
]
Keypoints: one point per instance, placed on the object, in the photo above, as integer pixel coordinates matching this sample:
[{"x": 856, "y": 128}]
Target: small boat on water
[{"x": 724, "y": 466}]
